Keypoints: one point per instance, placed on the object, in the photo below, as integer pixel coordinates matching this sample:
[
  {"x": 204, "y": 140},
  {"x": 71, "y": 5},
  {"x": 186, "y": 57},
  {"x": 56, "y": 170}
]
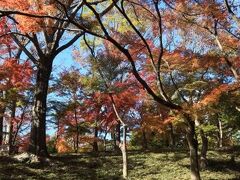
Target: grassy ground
[{"x": 144, "y": 166}]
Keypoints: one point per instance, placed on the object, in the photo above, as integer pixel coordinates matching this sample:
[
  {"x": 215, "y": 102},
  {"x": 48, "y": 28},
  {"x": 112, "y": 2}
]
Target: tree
[
  {"x": 16, "y": 80},
  {"x": 69, "y": 86},
  {"x": 155, "y": 52},
  {"x": 34, "y": 22},
  {"x": 117, "y": 90},
  {"x": 6, "y": 45}
]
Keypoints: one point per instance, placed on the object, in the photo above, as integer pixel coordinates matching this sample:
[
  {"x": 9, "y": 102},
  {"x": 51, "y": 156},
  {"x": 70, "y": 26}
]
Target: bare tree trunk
[
  {"x": 1, "y": 125},
  {"x": 10, "y": 140},
  {"x": 203, "y": 158},
  {"x": 165, "y": 139},
  {"x": 77, "y": 141},
  {"x": 18, "y": 127},
  {"x": 57, "y": 134},
  {"x": 95, "y": 144},
  {"x": 171, "y": 136},
  {"x": 144, "y": 140},
  {"x": 193, "y": 148},
  {"x": 74, "y": 144},
  {"x": 122, "y": 145},
  {"x": 220, "y": 132},
  {"x": 1, "y": 129},
  {"x": 77, "y": 127},
  {"x": 114, "y": 140},
  {"x": 118, "y": 134},
  {"x": 104, "y": 141},
  {"x": 37, "y": 142},
  {"x": 124, "y": 153},
  {"x": 2, "y": 111}
]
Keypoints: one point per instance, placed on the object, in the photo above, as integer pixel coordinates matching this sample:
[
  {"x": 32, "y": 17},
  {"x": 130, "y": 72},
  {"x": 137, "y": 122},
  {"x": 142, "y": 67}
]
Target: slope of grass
[{"x": 142, "y": 165}]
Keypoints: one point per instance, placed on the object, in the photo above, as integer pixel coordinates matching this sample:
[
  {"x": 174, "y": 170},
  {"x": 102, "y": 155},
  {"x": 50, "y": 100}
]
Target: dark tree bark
[
  {"x": 77, "y": 127},
  {"x": 1, "y": 126},
  {"x": 113, "y": 135},
  {"x": 10, "y": 140},
  {"x": 18, "y": 127},
  {"x": 37, "y": 144},
  {"x": 74, "y": 144},
  {"x": 144, "y": 140},
  {"x": 118, "y": 132},
  {"x": 118, "y": 136},
  {"x": 193, "y": 147},
  {"x": 203, "y": 158},
  {"x": 95, "y": 144},
  {"x": 104, "y": 141},
  {"x": 46, "y": 49},
  {"x": 1, "y": 130},
  {"x": 166, "y": 139},
  {"x": 77, "y": 141}
]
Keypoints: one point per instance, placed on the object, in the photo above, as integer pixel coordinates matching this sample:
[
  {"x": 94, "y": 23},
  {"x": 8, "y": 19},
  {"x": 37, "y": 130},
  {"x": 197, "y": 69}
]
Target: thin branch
[
  {"x": 134, "y": 69},
  {"x": 232, "y": 13},
  {"x": 68, "y": 44},
  {"x": 160, "y": 55},
  {"x": 23, "y": 47}
]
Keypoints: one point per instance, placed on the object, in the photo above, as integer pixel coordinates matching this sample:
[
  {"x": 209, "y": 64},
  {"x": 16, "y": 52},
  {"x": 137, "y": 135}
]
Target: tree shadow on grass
[
  {"x": 93, "y": 166},
  {"x": 60, "y": 167},
  {"x": 11, "y": 169},
  {"x": 133, "y": 163},
  {"x": 221, "y": 165}
]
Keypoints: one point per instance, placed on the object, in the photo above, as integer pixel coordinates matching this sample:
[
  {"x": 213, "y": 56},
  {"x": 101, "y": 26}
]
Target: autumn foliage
[{"x": 163, "y": 72}]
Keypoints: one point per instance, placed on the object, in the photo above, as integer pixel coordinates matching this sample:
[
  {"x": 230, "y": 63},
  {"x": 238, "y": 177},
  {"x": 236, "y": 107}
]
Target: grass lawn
[{"x": 142, "y": 165}]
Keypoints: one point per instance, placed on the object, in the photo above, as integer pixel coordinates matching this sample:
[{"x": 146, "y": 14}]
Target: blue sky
[{"x": 63, "y": 61}]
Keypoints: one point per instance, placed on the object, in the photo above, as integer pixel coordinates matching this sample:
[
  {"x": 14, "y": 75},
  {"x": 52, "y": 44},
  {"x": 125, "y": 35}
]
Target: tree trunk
[
  {"x": 220, "y": 134},
  {"x": 1, "y": 126},
  {"x": 37, "y": 144},
  {"x": 77, "y": 127},
  {"x": 118, "y": 135},
  {"x": 113, "y": 134},
  {"x": 10, "y": 140},
  {"x": 2, "y": 111},
  {"x": 74, "y": 144},
  {"x": 144, "y": 140},
  {"x": 57, "y": 134},
  {"x": 193, "y": 148},
  {"x": 171, "y": 136},
  {"x": 165, "y": 138},
  {"x": 203, "y": 158},
  {"x": 104, "y": 141},
  {"x": 122, "y": 145},
  {"x": 18, "y": 128},
  {"x": 77, "y": 141},
  {"x": 123, "y": 148},
  {"x": 95, "y": 144}
]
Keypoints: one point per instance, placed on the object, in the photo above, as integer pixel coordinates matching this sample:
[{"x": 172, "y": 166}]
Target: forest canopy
[{"x": 150, "y": 75}]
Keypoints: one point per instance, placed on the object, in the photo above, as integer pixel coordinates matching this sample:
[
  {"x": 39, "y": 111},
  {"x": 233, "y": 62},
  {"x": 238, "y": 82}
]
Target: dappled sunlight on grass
[{"x": 142, "y": 165}]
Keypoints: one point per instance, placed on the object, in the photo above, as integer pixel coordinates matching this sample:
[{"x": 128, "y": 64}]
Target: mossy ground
[{"x": 142, "y": 165}]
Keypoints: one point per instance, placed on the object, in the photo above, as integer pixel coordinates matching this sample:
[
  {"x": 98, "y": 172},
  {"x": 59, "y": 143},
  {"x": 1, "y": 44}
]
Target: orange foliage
[
  {"x": 15, "y": 75},
  {"x": 62, "y": 146},
  {"x": 156, "y": 123},
  {"x": 28, "y": 24},
  {"x": 215, "y": 94}
]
